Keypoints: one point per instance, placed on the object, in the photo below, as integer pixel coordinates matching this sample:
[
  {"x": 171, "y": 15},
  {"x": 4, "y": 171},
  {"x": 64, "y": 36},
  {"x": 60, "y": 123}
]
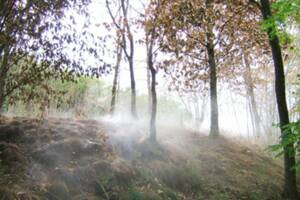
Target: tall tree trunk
[
  {"x": 290, "y": 187},
  {"x": 133, "y": 90},
  {"x": 127, "y": 37},
  {"x": 129, "y": 56},
  {"x": 196, "y": 110},
  {"x": 2, "y": 98},
  {"x": 202, "y": 110},
  {"x": 214, "y": 115},
  {"x": 199, "y": 109},
  {"x": 3, "y": 72},
  {"x": 149, "y": 88},
  {"x": 250, "y": 94},
  {"x": 153, "y": 92},
  {"x": 115, "y": 81}
]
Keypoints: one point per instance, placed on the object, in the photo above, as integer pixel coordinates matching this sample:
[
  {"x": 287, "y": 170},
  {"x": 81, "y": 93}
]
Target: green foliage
[
  {"x": 291, "y": 132},
  {"x": 73, "y": 92},
  {"x": 221, "y": 196},
  {"x": 286, "y": 12},
  {"x": 30, "y": 80},
  {"x": 291, "y": 136},
  {"x": 32, "y": 36},
  {"x": 272, "y": 26},
  {"x": 296, "y": 106},
  {"x": 134, "y": 194},
  {"x": 80, "y": 97}
]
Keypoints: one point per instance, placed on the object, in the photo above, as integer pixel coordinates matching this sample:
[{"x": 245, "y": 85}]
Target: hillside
[{"x": 89, "y": 159}]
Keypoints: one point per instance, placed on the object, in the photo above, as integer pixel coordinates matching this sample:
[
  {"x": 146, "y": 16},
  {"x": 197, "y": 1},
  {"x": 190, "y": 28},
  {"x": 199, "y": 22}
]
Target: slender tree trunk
[
  {"x": 129, "y": 56},
  {"x": 247, "y": 121},
  {"x": 250, "y": 94},
  {"x": 4, "y": 50},
  {"x": 132, "y": 78},
  {"x": 3, "y": 72},
  {"x": 199, "y": 110},
  {"x": 127, "y": 37},
  {"x": 153, "y": 92},
  {"x": 133, "y": 89},
  {"x": 2, "y": 98},
  {"x": 149, "y": 88},
  {"x": 115, "y": 81},
  {"x": 290, "y": 187},
  {"x": 202, "y": 111},
  {"x": 196, "y": 110}
]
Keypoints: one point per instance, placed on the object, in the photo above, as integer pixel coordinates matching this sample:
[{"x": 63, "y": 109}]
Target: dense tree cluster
[{"x": 36, "y": 41}]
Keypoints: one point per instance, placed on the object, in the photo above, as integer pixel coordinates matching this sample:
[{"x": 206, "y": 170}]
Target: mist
[{"x": 149, "y": 100}]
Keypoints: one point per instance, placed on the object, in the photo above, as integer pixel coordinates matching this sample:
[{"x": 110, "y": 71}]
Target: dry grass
[{"x": 73, "y": 159}]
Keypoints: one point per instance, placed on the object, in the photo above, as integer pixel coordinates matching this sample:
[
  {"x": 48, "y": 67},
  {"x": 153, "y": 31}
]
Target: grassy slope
[{"x": 68, "y": 159}]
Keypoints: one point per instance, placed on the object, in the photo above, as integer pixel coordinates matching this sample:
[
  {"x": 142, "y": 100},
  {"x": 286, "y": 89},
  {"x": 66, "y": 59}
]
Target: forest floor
[{"x": 61, "y": 159}]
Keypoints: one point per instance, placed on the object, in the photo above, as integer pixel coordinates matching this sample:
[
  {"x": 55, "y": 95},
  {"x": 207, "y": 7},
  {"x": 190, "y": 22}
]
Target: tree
[
  {"x": 153, "y": 86},
  {"x": 34, "y": 39},
  {"x": 251, "y": 97},
  {"x": 290, "y": 187},
  {"x": 150, "y": 29},
  {"x": 210, "y": 48},
  {"x": 116, "y": 73},
  {"x": 127, "y": 43},
  {"x": 201, "y": 35}
]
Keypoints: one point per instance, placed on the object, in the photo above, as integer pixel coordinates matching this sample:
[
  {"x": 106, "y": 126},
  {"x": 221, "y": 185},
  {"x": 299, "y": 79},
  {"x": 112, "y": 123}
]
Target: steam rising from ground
[
  {"x": 104, "y": 156},
  {"x": 174, "y": 111}
]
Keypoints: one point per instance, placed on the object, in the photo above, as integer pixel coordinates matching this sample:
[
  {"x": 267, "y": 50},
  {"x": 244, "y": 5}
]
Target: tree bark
[
  {"x": 196, "y": 110},
  {"x": 214, "y": 113},
  {"x": 149, "y": 88},
  {"x": 133, "y": 89},
  {"x": 115, "y": 81},
  {"x": 129, "y": 56},
  {"x": 202, "y": 110},
  {"x": 290, "y": 187},
  {"x": 250, "y": 95},
  {"x": 153, "y": 92},
  {"x": 126, "y": 35},
  {"x": 3, "y": 72},
  {"x": 2, "y": 98}
]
